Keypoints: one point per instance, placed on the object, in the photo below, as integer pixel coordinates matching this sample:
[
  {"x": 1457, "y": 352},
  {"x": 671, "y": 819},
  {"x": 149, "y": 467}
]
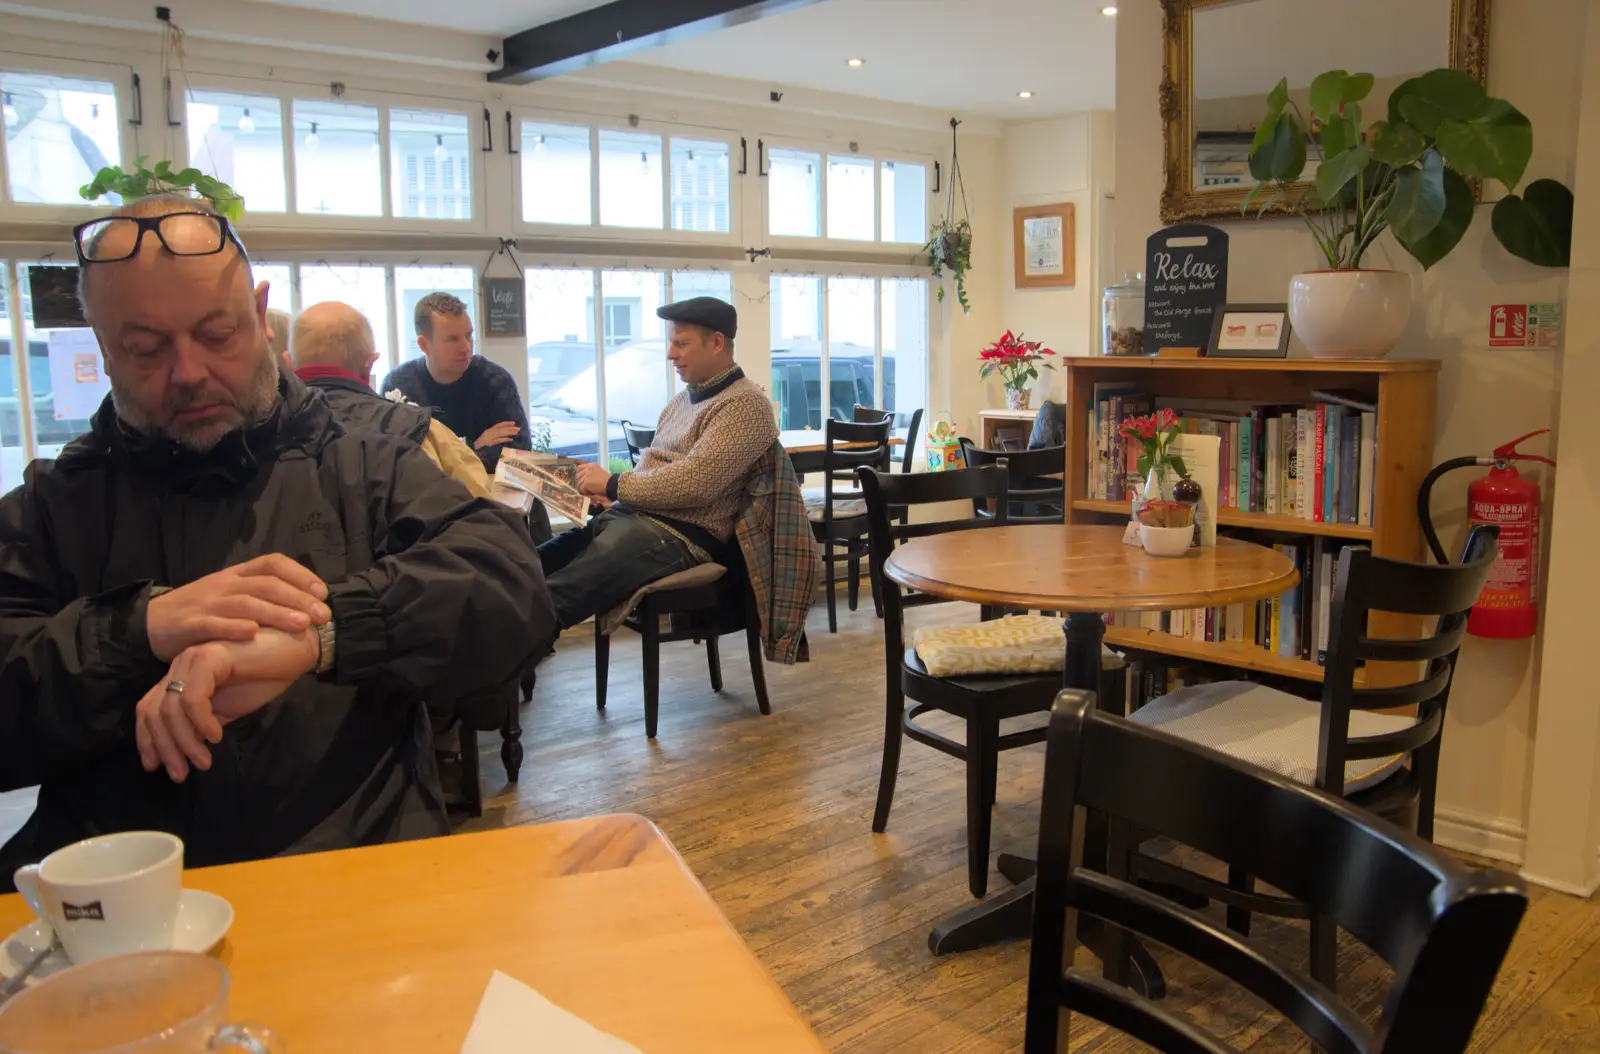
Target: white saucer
[{"x": 203, "y": 920}]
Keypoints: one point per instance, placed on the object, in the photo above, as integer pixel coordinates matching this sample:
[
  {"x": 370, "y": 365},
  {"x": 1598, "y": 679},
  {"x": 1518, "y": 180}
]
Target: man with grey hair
[{"x": 220, "y": 610}]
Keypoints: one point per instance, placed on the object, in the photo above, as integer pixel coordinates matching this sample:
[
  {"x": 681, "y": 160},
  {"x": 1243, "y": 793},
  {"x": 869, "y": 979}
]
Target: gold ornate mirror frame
[{"x": 1180, "y": 200}]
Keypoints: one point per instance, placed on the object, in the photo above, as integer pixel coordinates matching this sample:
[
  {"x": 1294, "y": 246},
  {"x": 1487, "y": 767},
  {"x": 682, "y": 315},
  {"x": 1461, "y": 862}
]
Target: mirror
[{"x": 1224, "y": 56}]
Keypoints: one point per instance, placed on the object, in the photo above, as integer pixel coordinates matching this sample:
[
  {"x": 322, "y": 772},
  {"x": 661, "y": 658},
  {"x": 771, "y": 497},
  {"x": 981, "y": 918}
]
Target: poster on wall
[
  {"x": 1186, "y": 282},
  {"x": 78, "y": 382}
]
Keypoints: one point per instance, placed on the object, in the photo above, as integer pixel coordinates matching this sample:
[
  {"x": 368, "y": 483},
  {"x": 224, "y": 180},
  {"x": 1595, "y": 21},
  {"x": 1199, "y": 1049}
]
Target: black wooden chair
[
  {"x": 1445, "y": 928},
  {"x": 908, "y": 423},
  {"x": 637, "y": 438},
  {"x": 1038, "y": 480},
  {"x": 838, "y": 517},
  {"x": 982, "y": 701},
  {"x": 1338, "y": 744},
  {"x": 703, "y": 611},
  {"x": 505, "y": 718}
]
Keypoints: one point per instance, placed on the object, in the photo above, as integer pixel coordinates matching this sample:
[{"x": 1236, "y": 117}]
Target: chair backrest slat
[
  {"x": 910, "y": 424},
  {"x": 1443, "y": 927},
  {"x": 1038, "y": 477}
]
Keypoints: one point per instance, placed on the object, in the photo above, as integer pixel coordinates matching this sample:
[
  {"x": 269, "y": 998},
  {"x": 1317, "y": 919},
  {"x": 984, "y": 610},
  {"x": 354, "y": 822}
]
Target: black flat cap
[{"x": 707, "y": 311}]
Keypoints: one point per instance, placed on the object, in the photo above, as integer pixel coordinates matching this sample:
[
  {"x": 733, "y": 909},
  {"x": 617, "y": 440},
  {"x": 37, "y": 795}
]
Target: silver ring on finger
[{"x": 175, "y": 686}]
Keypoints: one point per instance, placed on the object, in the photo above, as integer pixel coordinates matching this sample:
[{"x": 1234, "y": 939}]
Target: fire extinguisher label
[
  {"x": 1525, "y": 325},
  {"x": 1512, "y": 579}
]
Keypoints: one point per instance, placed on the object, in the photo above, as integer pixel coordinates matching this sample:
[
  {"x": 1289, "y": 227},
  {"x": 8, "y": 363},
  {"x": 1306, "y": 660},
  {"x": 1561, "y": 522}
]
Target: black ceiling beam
[{"x": 620, "y": 29}]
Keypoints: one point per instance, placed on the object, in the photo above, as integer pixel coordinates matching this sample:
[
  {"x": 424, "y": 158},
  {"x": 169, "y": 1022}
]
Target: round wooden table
[{"x": 1086, "y": 571}]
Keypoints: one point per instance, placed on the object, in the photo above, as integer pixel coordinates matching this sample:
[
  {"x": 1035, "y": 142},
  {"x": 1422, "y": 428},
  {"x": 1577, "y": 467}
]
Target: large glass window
[
  {"x": 337, "y": 169},
  {"x": 412, "y": 283},
  {"x": 700, "y": 198},
  {"x": 280, "y": 282},
  {"x": 555, "y": 174},
  {"x": 903, "y": 203},
  {"x": 563, "y": 384},
  {"x": 795, "y": 303},
  {"x": 904, "y": 360},
  {"x": 59, "y": 131},
  {"x": 363, "y": 287},
  {"x": 630, "y": 179},
  {"x": 430, "y": 164},
  {"x": 638, "y": 381},
  {"x": 239, "y": 140},
  {"x": 794, "y": 193},
  {"x": 66, "y": 378},
  {"x": 850, "y": 199},
  {"x": 12, "y": 454}
]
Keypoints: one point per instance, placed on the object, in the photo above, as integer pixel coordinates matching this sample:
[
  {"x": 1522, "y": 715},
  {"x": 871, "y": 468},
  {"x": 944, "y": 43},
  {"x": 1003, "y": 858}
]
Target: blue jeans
[{"x": 595, "y": 567}]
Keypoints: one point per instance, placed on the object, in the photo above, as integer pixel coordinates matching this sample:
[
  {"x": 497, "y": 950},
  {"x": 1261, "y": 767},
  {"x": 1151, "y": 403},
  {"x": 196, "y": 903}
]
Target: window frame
[
  {"x": 826, "y": 148},
  {"x": 120, "y": 77},
  {"x": 287, "y": 92},
  {"x": 665, "y": 235}
]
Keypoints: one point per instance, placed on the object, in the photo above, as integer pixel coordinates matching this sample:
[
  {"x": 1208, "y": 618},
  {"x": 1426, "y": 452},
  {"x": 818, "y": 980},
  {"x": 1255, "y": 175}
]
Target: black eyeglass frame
[{"x": 152, "y": 224}]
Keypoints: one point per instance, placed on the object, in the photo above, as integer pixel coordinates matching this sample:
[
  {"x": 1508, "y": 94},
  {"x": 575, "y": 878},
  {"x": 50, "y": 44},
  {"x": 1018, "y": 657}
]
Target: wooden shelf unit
[
  {"x": 1405, "y": 390},
  {"x": 989, "y": 420}
]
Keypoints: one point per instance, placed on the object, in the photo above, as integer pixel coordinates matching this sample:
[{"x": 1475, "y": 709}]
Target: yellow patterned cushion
[{"x": 1014, "y": 644}]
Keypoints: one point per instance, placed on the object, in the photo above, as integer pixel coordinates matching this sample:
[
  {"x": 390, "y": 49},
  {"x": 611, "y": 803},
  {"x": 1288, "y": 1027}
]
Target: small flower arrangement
[
  {"x": 1155, "y": 432},
  {"x": 1017, "y": 361}
]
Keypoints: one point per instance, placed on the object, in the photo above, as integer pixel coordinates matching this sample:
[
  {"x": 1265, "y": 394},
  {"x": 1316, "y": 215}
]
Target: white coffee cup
[{"x": 110, "y": 895}]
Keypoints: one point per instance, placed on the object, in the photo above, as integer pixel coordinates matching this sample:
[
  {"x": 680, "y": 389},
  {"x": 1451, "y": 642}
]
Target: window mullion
[
  {"x": 597, "y": 277},
  {"x": 19, "y": 358},
  {"x": 825, "y": 392},
  {"x": 390, "y": 289},
  {"x": 594, "y": 183},
  {"x": 877, "y": 342}
]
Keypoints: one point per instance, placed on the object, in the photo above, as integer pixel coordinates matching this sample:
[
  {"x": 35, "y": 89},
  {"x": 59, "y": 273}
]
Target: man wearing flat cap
[{"x": 679, "y": 506}]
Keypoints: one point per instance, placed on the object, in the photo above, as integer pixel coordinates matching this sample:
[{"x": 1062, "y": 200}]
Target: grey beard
[{"x": 257, "y": 408}]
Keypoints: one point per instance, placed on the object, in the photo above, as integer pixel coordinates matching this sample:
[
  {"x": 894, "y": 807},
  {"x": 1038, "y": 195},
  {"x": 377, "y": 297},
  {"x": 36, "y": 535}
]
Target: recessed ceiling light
[
  {"x": 1024, "y": 94},
  {"x": 1109, "y": 10},
  {"x": 855, "y": 64}
]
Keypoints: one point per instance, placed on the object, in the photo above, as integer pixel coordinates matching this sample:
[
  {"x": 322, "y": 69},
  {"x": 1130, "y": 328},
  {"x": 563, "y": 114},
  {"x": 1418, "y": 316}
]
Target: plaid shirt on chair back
[{"x": 780, "y": 555}]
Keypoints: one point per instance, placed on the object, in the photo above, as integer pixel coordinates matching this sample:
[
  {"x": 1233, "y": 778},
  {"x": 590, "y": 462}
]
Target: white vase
[{"x": 1349, "y": 314}]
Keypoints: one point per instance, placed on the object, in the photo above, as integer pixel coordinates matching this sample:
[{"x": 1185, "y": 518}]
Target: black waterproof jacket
[{"x": 430, "y": 595}]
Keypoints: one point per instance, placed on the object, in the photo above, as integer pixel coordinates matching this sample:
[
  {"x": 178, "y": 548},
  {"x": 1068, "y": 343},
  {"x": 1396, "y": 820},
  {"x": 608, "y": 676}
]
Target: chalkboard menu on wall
[
  {"x": 503, "y": 307},
  {"x": 1186, "y": 281}
]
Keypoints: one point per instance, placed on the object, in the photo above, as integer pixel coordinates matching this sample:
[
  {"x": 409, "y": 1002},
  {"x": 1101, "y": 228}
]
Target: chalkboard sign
[
  {"x": 54, "y": 293},
  {"x": 1186, "y": 282},
  {"x": 503, "y": 314}
]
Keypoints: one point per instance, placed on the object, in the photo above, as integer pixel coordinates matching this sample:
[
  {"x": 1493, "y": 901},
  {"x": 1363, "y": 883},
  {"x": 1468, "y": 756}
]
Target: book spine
[
  {"x": 1325, "y": 602},
  {"x": 1258, "y": 467},
  {"x": 1224, "y": 472},
  {"x": 1318, "y": 460},
  {"x": 1349, "y": 449},
  {"x": 1274, "y": 617},
  {"x": 1233, "y": 624},
  {"x": 1246, "y": 454},
  {"x": 1305, "y": 556},
  {"x": 1271, "y": 502},
  {"x": 1330, "y": 467},
  {"x": 1291, "y": 463},
  {"x": 1285, "y": 446},
  {"x": 1369, "y": 449},
  {"x": 1115, "y": 490}
]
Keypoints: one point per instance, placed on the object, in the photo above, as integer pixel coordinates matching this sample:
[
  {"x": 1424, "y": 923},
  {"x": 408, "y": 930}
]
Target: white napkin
[{"x": 514, "y": 1018}]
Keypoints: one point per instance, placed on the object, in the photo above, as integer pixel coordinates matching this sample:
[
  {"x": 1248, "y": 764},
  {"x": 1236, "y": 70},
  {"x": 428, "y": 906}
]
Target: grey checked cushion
[
  {"x": 845, "y": 503},
  {"x": 1266, "y": 727},
  {"x": 698, "y": 575}
]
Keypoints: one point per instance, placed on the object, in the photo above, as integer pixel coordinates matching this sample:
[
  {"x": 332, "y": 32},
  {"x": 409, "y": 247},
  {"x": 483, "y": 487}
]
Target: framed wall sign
[
  {"x": 503, "y": 308},
  {"x": 1250, "y": 331},
  {"x": 1046, "y": 244}
]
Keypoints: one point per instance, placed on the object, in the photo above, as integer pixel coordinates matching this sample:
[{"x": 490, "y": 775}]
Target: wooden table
[
  {"x": 810, "y": 443},
  {"x": 390, "y": 947},
  {"x": 1085, "y": 571}
]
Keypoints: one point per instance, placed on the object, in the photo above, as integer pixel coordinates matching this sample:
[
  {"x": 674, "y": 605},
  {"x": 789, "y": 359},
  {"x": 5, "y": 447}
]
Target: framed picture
[
  {"x": 1250, "y": 331},
  {"x": 1046, "y": 242}
]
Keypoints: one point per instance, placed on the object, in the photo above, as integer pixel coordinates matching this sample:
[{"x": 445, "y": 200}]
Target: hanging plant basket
[{"x": 949, "y": 244}]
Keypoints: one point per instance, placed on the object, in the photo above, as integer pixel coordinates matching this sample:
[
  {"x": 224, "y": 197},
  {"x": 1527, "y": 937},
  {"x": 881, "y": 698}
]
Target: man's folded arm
[
  {"x": 70, "y": 672},
  {"x": 457, "y": 605}
]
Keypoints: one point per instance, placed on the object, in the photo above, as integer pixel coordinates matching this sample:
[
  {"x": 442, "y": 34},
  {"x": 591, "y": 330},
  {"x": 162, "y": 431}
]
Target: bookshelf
[
  {"x": 1406, "y": 396},
  {"x": 989, "y": 420}
]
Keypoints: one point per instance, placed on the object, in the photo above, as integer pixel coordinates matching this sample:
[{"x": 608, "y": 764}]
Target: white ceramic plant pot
[
  {"x": 1349, "y": 314},
  {"x": 1165, "y": 541}
]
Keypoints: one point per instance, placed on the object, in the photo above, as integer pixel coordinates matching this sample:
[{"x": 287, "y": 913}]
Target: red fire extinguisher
[{"x": 1508, "y": 607}]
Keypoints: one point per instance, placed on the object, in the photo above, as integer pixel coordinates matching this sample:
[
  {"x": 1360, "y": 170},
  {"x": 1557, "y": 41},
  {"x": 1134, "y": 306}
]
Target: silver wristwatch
[{"x": 325, "y": 647}]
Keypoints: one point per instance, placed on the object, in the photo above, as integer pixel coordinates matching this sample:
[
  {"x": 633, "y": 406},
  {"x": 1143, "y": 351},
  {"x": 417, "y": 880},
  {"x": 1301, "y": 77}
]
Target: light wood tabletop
[
  {"x": 1081, "y": 567},
  {"x": 389, "y": 948},
  {"x": 813, "y": 441}
]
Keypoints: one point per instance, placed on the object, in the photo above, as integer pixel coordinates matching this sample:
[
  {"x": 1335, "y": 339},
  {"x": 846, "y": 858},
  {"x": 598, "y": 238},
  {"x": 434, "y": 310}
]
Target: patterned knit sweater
[{"x": 693, "y": 475}]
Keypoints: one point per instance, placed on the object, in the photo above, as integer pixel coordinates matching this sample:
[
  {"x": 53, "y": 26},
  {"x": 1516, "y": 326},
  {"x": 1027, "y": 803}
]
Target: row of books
[
  {"x": 1316, "y": 463},
  {"x": 1293, "y": 625}
]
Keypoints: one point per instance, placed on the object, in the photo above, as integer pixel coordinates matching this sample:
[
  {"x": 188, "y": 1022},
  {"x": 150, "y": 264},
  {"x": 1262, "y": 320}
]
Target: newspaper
[{"x": 553, "y": 480}]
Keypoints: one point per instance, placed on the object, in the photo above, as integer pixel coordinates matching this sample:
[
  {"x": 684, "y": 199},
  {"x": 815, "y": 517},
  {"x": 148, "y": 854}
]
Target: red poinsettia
[{"x": 1018, "y": 361}]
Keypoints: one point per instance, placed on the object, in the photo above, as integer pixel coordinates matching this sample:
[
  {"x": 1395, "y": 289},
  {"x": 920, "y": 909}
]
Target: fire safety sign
[{"x": 1525, "y": 326}]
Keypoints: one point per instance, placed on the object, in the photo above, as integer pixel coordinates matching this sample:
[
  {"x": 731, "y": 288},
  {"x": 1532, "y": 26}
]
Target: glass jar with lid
[{"x": 1124, "y": 316}]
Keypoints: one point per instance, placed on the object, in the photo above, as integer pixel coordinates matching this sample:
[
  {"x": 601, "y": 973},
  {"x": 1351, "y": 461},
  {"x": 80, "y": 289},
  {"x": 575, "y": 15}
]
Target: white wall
[{"x": 1485, "y": 397}]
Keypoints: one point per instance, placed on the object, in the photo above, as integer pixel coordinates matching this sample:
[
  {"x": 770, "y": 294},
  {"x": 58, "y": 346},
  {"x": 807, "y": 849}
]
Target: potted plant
[
  {"x": 950, "y": 246},
  {"x": 1408, "y": 173},
  {"x": 1017, "y": 361},
  {"x": 142, "y": 182},
  {"x": 1164, "y": 507}
]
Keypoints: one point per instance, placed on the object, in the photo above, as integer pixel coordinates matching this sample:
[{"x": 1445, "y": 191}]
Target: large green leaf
[
  {"x": 1538, "y": 225},
  {"x": 1458, "y": 209},
  {"x": 1338, "y": 135},
  {"x": 1438, "y": 95},
  {"x": 1284, "y": 156},
  {"x": 1339, "y": 170},
  {"x": 1327, "y": 93},
  {"x": 1494, "y": 143},
  {"x": 1396, "y": 144},
  {"x": 1357, "y": 86},
  {"x": 1277, "y": 99},
  {"x": 1403, "y": 89},
  {"x": 1419, "y": 199}
]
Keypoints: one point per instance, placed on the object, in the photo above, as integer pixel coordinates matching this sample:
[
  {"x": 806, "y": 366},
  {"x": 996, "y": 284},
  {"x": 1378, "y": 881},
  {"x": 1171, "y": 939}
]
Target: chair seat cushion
[
  {"x": 845, "y": 503},
  {"x": 698, "y": 575},
  {"x": 1013, "y": 644},
  {"x": 1266, "y": 727}
]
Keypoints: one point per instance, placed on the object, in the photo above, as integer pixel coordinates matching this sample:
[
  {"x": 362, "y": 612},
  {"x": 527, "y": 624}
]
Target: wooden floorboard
[{"x": 773, "y": 814}]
